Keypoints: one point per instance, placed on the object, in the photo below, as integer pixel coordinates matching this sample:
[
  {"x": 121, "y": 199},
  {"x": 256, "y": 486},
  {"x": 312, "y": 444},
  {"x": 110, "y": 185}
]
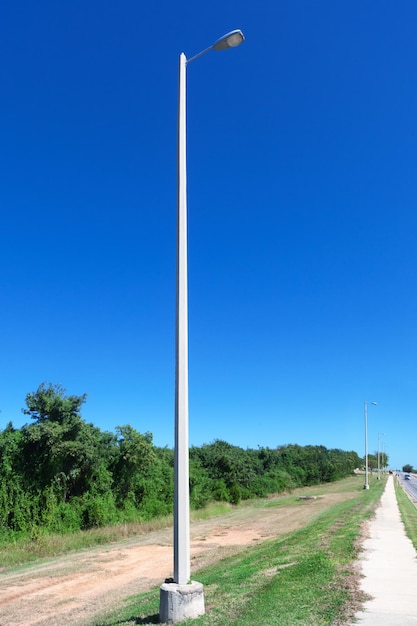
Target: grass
[
  {"x": 20, "y": 550},
  {"x": 300, "y": 579},
  {"x": 408, "y": 513},
  {"x": 41, "y": 545},
  {"x": 211, "y": 510}
]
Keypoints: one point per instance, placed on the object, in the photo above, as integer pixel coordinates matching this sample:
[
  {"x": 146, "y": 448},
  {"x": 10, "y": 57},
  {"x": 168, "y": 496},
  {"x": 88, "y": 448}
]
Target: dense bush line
[{"x": 59, "y": 473}]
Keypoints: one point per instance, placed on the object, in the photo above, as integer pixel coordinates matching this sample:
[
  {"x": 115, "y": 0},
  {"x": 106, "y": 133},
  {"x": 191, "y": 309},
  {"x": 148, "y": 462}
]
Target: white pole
[
  {"x": 184, "y": 598},
  {"x": 181, "y": 462},
  {"x": 366, "y": 486}
]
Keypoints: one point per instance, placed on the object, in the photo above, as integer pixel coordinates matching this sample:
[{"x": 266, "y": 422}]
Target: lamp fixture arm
[
  {"x": 230, "y": 40},
  {"x": 196, "y": 56}
]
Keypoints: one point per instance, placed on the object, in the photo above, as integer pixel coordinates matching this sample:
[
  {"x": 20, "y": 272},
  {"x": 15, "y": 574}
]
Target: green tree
[
  {"x": 15, "y": 504},
  {"x": 60, "y": 473},
  {"x": 384, "y": 459},
  {"x": 233, "y": 471},
  {"x": 373, "y": 462},
  {"x": 143, "y": 476},
  {"x": 49, "y": 403},
  {"x": 61, "y": 450}
]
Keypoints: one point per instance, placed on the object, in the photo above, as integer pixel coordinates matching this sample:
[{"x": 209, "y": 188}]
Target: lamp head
[{"x": 230, "y": 40}]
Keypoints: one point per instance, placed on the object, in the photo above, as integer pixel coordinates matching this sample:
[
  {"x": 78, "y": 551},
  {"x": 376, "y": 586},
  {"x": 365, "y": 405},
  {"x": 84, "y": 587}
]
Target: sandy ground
[{"x": 72, "y": 589}]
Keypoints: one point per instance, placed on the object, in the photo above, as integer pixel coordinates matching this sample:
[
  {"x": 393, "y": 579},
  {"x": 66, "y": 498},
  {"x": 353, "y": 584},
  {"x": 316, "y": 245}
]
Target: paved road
[
  {"x": 389, "y": 566},
  {"x": 409, "y": 485}
]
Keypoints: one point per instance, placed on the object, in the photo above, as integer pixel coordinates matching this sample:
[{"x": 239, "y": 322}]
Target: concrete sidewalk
[{"x": 389, "y": 567}]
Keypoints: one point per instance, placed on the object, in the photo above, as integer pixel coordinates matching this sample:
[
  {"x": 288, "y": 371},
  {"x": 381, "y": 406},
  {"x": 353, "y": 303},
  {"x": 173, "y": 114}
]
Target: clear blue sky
[{"x": 302, "y": 155}]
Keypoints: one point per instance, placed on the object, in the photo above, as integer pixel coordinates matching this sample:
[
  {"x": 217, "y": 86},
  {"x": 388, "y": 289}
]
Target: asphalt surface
[
  {"x": 409, "y": 485},
  {"x": 389, "y": 567}
]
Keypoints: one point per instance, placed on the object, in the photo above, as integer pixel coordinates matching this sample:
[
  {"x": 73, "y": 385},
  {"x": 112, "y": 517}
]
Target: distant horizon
[
  {"x": 158, "y": 438},
  {"x": 243, "y": 447}
]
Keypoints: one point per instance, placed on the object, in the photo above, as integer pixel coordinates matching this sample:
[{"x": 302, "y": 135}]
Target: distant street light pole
[
  {"x": 366, "y": 485},
  {"x": 181, "y": 455}
]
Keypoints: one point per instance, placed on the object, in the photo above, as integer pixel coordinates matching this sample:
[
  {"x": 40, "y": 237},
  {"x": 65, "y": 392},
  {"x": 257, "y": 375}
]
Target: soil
[{"x": 73, "y": 589}]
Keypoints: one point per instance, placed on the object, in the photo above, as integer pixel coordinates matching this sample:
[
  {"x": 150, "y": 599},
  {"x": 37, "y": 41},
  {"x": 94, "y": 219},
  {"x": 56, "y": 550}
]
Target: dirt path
[{"x": 72, "y": 589}]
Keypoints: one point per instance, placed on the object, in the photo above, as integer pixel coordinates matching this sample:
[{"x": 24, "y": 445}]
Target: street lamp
[
  {"x": 179, "y": 600},
  {"x": 379, "y": 456},
  {"x": 366, "y": 485}
]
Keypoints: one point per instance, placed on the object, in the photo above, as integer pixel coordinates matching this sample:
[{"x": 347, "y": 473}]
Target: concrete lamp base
[{"x": 178, "y": 602}]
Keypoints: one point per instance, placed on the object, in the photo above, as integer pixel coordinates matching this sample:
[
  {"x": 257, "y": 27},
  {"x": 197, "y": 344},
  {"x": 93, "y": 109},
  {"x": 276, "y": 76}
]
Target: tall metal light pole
[
  {"x": 366, "y": 485},
  {"x": 181, "y": 505},
  {"x": 181, "y": 456}
]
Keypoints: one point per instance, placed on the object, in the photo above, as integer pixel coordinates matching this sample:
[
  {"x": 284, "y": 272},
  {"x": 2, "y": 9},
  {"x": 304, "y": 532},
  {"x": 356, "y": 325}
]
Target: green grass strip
[
  {"x": 301, "y": 579},
  {"x": 408, "y": 513}
]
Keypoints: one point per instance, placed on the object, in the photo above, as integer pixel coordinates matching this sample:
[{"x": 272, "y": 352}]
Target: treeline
[{"x": 59, "y": 473}]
